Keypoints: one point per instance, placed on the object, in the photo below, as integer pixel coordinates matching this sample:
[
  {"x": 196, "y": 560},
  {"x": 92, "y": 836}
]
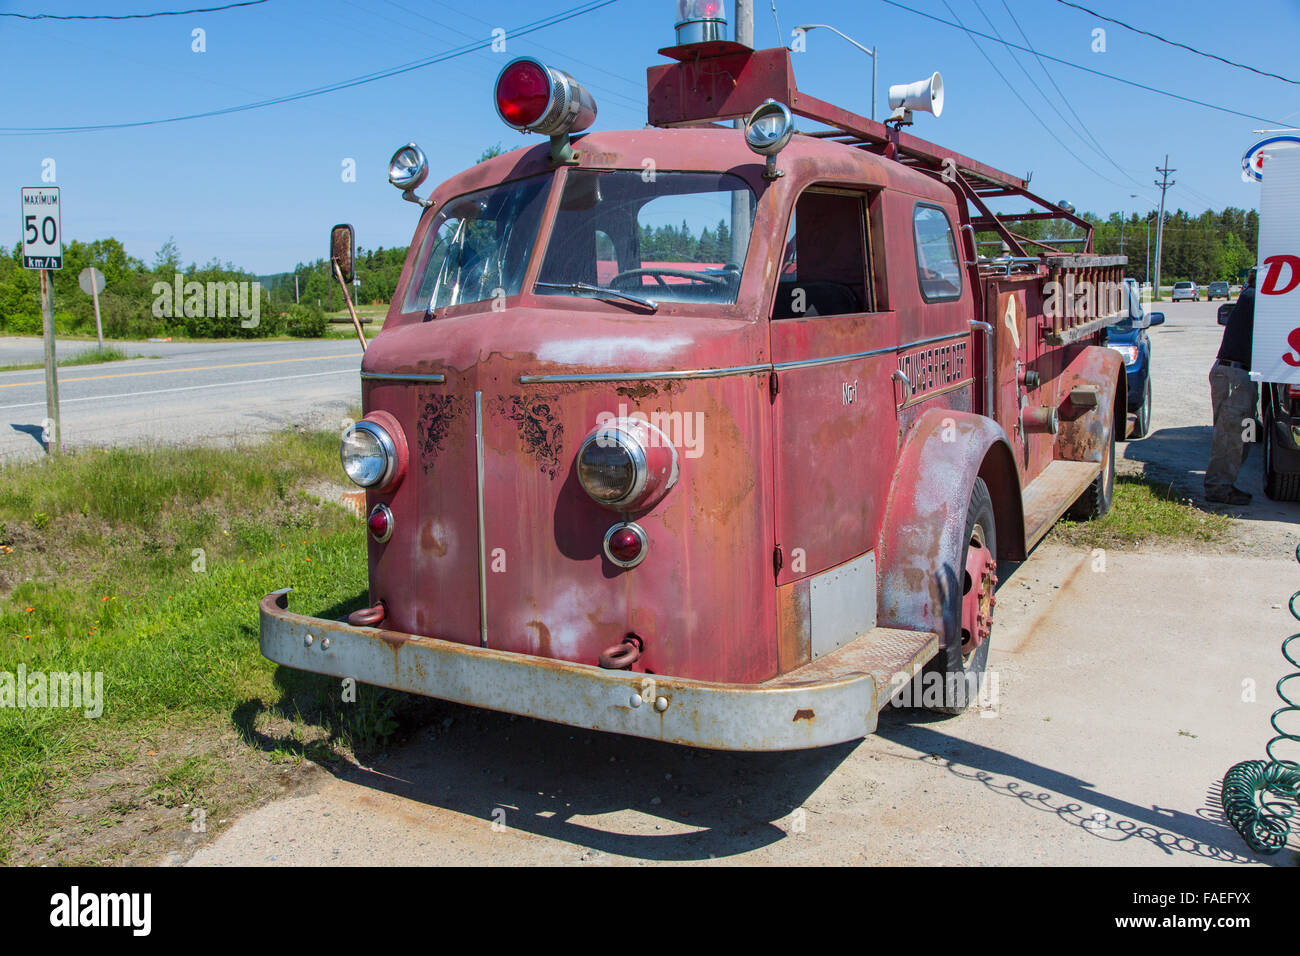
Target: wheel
[
  {"x": 1096, "y": 499},
  {"x": 1144, "y": 414},
  {"x": 1278, "y": 486},
  {"x": 961, "y": 665}
]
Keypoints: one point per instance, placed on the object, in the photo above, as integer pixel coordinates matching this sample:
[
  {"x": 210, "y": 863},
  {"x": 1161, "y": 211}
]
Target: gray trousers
[{"x": 1234, "y": 397}]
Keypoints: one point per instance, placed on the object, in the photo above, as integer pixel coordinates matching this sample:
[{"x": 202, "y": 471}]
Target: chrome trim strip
[
  {"x": 831, "y": 360},
  {"x": 643, "y": 376},
  {"x": 482, "y": 540},
  {"x": 737, "y": 370},
  {"x": 384, "y": 377},
  {"x": 937, "y": 338}
]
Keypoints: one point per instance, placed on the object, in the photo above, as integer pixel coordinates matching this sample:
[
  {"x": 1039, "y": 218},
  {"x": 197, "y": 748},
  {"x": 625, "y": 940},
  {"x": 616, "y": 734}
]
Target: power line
[
  {"x": 1065, "y": 99},
  {"x": 1023, "y": 102},
  {"x": 1190, "y": 49},
  {"x": 548, "y": 21},
  {"x": 130, "y": 16},
  {"x": 1077, "y": 66}
]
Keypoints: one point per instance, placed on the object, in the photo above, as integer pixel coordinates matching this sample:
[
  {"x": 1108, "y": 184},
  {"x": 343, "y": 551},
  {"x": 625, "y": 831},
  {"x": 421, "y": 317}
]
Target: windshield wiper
[{"x": 650, "y": 304}]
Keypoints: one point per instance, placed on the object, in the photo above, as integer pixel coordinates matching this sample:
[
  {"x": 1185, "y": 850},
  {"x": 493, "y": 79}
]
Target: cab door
[{"x": 834, "y": 414}]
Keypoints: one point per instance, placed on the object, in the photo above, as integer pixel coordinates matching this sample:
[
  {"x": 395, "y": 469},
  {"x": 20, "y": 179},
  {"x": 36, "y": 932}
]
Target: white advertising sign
[{"x": 1276, "y": 351}]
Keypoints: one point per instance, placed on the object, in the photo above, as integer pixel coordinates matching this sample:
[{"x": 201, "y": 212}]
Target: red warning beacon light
[
  {"x": 535, "y": 98},
  {"x": 700, "y": 21}
]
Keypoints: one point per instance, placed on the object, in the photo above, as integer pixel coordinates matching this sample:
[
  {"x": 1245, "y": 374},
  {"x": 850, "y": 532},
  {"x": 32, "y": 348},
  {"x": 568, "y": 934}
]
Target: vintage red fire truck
[{"x": 709, "y": 434}]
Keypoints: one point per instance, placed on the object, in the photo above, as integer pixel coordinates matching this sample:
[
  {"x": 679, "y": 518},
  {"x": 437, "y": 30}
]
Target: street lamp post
[
  {"x": 1155, "y": 292},
  {"x": 871, "y": 53}
]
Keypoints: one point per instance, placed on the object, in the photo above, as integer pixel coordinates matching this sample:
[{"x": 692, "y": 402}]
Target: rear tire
[
  {"x": 1143, "y": 425},
  {"x": 1278, "y": 486},
  {"x": 1097, "y": 498},
  {"x": 962, "y": 672}
]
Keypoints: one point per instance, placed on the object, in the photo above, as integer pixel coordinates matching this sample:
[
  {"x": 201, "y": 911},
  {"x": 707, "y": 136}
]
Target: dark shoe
[{"x": 1230, "y": 497}]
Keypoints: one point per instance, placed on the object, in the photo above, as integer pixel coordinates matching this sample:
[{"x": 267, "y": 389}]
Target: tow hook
[
  {"x": 368, "y": 616},
  {"x": 621, "y": 656}
]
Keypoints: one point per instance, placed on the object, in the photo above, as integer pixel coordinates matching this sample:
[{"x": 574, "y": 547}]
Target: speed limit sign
[{"x": 42, "y": 233}]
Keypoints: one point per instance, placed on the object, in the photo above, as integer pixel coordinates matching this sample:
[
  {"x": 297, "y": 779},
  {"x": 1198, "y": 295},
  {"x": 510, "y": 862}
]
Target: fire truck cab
[{"x": 714, "y": 435}]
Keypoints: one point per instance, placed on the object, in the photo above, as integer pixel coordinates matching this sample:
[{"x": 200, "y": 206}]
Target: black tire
[
  {"x": 959, "y": 694},
  {"x": 1096, "y": 499},
  {"x": 1143, "y": 425},
  {"x": 1278, "y": 486}
]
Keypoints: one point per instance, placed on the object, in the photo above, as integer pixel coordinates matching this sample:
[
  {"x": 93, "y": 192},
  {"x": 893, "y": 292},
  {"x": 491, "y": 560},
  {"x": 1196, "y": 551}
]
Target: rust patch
[
  {"x": 540, "y": 430},
  {"x": 435, "y": 423},
  {"x": 543, "y": 638},
  {"x": 805, "y": 713},
  {"x": 637, "y": 392},
  {"x": 429, "y": 541}
]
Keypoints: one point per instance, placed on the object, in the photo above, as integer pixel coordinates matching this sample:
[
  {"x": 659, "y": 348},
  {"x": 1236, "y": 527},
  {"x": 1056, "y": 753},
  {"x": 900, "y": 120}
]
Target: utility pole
[
  {"x": 1164, "y": 183},
  {"x": 740, "y": 214}
]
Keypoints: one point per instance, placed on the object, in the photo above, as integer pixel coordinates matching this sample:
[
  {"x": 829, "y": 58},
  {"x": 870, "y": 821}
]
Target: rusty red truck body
[{"x": 737, "y": 495}]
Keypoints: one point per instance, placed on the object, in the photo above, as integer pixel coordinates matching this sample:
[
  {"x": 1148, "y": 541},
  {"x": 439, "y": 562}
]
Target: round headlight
[
  {"x": 769, "y": 128},
  {"x": 408, "y": 168},
  {"x": 612, "y": 467},
  {"x": 368, "y": 454}
]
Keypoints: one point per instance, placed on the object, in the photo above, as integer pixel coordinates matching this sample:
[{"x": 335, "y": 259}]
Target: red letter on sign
[
  {"x": 1274, "y": 276},
  {"x": 1293, "y": 340}
]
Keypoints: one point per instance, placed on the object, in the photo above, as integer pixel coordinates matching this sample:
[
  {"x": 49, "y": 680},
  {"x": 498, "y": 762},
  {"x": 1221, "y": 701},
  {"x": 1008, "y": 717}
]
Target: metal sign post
[
  {"x": 43, "y": 249},
  {"x": 92, "y": 283}
]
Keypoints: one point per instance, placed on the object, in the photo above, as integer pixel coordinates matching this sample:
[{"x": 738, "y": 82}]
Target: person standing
[{"x": 1234, "y": 398}]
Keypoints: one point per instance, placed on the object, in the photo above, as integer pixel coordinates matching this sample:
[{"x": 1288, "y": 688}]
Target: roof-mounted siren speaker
[
  {"x": 535, "y": 98},
  {"x": 923, "y": 95},
  {"x": 701, "y": 21}
]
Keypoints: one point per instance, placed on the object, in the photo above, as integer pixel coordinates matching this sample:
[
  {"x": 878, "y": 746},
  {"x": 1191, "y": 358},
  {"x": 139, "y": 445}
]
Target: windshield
[
  {"x": 663, "y": 236},
  {"x": 477, "y": 247}
]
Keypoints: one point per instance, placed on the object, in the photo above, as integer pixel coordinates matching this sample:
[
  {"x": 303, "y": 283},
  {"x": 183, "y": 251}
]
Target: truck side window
[
  {"x": 824, "y": 267},
  {"x": 937, "y": 266}
]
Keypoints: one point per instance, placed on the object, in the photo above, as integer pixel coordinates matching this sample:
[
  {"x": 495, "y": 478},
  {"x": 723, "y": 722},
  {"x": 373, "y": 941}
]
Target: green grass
[
  {"x": 147, "y": 566},
  {"x": 1144, "y": 512},
  {"x": 88, "y": 357}
]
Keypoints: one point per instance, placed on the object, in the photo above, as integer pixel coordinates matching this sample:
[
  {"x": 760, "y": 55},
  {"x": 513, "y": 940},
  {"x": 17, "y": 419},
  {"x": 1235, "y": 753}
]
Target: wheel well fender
[{"x": 920, "y": 544}]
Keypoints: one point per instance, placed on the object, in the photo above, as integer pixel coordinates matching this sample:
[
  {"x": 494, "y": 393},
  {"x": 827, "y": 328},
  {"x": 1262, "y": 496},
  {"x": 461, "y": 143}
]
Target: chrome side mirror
[{"x": 407, "y": 170}]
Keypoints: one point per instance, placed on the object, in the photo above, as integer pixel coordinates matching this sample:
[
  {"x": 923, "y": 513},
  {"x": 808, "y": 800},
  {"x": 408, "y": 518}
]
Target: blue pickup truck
[{"x": 1129, "y": 338}]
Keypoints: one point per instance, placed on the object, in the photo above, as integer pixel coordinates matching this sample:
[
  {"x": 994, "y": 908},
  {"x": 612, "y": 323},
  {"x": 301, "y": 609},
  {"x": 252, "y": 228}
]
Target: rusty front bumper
[{"x": 834, "y": 699}]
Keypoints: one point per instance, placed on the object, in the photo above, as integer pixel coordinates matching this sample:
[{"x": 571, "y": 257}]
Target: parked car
[
  {"x": 1217, "y": 290},
  {"x": 1186, "y": 290},
  {"x": 1129, "y": 338}
]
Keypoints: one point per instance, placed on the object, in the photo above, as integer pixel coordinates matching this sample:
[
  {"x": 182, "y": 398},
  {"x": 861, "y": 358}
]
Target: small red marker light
[
  {"x": 380, "y": 523},
  {"x": 626, "y": 545},
  {"x": 523, "y": 93}
]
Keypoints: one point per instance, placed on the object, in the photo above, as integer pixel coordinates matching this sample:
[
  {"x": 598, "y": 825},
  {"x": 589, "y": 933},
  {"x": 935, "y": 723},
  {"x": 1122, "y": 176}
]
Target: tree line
[{"x": 1211, "y": 246}]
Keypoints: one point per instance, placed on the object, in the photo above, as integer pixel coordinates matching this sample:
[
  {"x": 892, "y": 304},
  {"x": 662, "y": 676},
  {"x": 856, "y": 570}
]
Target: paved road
[{"x": 189, "y": 392}]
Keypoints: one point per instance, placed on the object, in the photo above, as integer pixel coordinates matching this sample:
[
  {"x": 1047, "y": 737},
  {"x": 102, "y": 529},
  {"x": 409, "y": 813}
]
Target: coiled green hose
[{"x": 1251, "y": 789}]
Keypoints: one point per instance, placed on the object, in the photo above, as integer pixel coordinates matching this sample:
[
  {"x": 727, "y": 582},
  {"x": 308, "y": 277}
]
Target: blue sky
[{"x": 261, "y": 188}]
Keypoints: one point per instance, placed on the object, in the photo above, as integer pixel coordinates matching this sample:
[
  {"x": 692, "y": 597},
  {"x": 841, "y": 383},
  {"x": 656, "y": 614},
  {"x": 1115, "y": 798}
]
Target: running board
[
  {"x": 1051, "y": 494},
  {"x": 892, "y": 657}
]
